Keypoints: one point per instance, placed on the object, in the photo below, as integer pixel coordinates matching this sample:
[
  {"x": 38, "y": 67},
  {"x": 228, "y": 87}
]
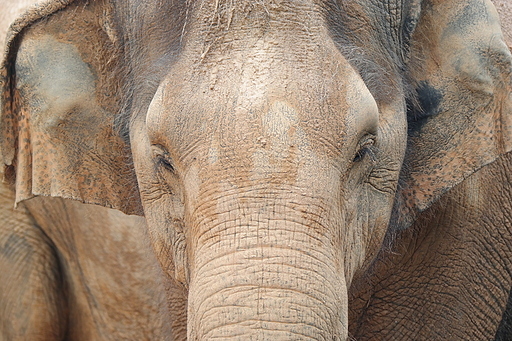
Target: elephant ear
[
  {"x": 60, "y": 98},
  {"x": 461, "y": 119}
]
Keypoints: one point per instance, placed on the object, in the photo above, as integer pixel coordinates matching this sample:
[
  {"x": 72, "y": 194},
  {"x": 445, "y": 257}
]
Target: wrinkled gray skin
[
  {"x": 74, "y": 271},
  {"x": 272, "y": 146}
]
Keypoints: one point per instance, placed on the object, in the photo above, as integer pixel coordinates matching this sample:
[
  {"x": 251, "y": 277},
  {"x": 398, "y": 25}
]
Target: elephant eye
[
  {"x": 162, "y": 158},
  {"x": 365, "y": 148},
  {"x": 166, "y": 163}
]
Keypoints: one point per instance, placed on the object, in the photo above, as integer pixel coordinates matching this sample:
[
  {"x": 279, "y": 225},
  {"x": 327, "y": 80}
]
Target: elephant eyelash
[
  {"x": 166, "y": 163},
  {"x": 366, "y": 149},
  {"x": 162, "y": 158},
  {"x": 360, "y": 155}
]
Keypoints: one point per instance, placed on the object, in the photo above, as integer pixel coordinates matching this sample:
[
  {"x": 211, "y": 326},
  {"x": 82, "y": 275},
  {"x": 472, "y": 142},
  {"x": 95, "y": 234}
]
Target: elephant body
[
  {"x": 316, "y": 169},
  {"x": 76, "y": 271}
]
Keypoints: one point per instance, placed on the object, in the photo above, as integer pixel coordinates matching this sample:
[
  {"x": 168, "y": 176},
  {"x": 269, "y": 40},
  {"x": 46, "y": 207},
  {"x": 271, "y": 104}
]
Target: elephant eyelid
[
  {"x": 166, "y": 163},
  {"x": 162, "y": 157},
  {"x": 366, "y": 148}
]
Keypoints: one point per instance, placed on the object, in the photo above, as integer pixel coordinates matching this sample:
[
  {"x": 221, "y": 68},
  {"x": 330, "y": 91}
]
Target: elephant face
[
  {"x": 270, "y": 170},
  {"x": 263, "y": 142}
]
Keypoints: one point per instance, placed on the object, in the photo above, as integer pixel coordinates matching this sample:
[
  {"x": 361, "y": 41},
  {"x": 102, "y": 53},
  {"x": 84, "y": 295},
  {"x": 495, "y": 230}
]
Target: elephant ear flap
[
  {"x": 60, "y": 99},
  {"x": 461, "y": 117}
]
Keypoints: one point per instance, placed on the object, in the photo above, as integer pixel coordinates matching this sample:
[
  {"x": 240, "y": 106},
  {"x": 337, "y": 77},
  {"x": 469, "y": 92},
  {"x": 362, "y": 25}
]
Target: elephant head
[{"x": 270, "y": 145}]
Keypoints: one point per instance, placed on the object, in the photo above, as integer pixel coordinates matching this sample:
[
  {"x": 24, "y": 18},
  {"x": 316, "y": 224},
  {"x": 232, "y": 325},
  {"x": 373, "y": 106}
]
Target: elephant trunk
[{"x": 254, "y": 276}]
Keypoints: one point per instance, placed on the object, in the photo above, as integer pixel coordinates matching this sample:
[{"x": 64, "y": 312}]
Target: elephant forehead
[
  {"x": 272, "y": 108},
  {"x": 280, "y": 122}
]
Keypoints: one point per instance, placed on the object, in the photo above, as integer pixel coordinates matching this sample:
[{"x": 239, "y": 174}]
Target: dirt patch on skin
[{"x": 504, "y": 8}]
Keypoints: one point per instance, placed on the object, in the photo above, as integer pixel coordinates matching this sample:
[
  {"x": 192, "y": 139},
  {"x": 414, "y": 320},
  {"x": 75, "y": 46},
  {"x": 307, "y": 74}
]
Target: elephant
[
  {"x": 306, "y": 169},
  {"x": 75, "y": 271}
]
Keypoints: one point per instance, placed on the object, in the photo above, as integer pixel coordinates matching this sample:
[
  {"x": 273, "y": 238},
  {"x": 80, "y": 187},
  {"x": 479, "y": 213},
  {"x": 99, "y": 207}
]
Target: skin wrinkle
[
  {"x": 284, "y": 324},
  {"x": 200, "y": 271},
  {"x": 252, "y": 288},
  {"x": 264, "y": 325},
  {"x": 261, "y": 250},
  {"x": 203, "y": 271},
  {"x": 309, "y": 217},
  {"x": 261, "y": 246},
  {"x": 215, "y": 238},
  {"x": 287, "y": 335}
]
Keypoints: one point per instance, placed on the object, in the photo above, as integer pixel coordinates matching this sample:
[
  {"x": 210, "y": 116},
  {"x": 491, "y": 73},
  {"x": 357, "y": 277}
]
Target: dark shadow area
[{"x": 504, "y": 332}]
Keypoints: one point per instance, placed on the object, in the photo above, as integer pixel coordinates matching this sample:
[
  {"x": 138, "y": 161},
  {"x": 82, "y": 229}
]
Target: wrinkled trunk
[{"x": 258, "y": 277}]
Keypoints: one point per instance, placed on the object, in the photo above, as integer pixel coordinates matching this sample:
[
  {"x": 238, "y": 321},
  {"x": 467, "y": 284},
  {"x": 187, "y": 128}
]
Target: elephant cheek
[{"x": 163, "y": 209}]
